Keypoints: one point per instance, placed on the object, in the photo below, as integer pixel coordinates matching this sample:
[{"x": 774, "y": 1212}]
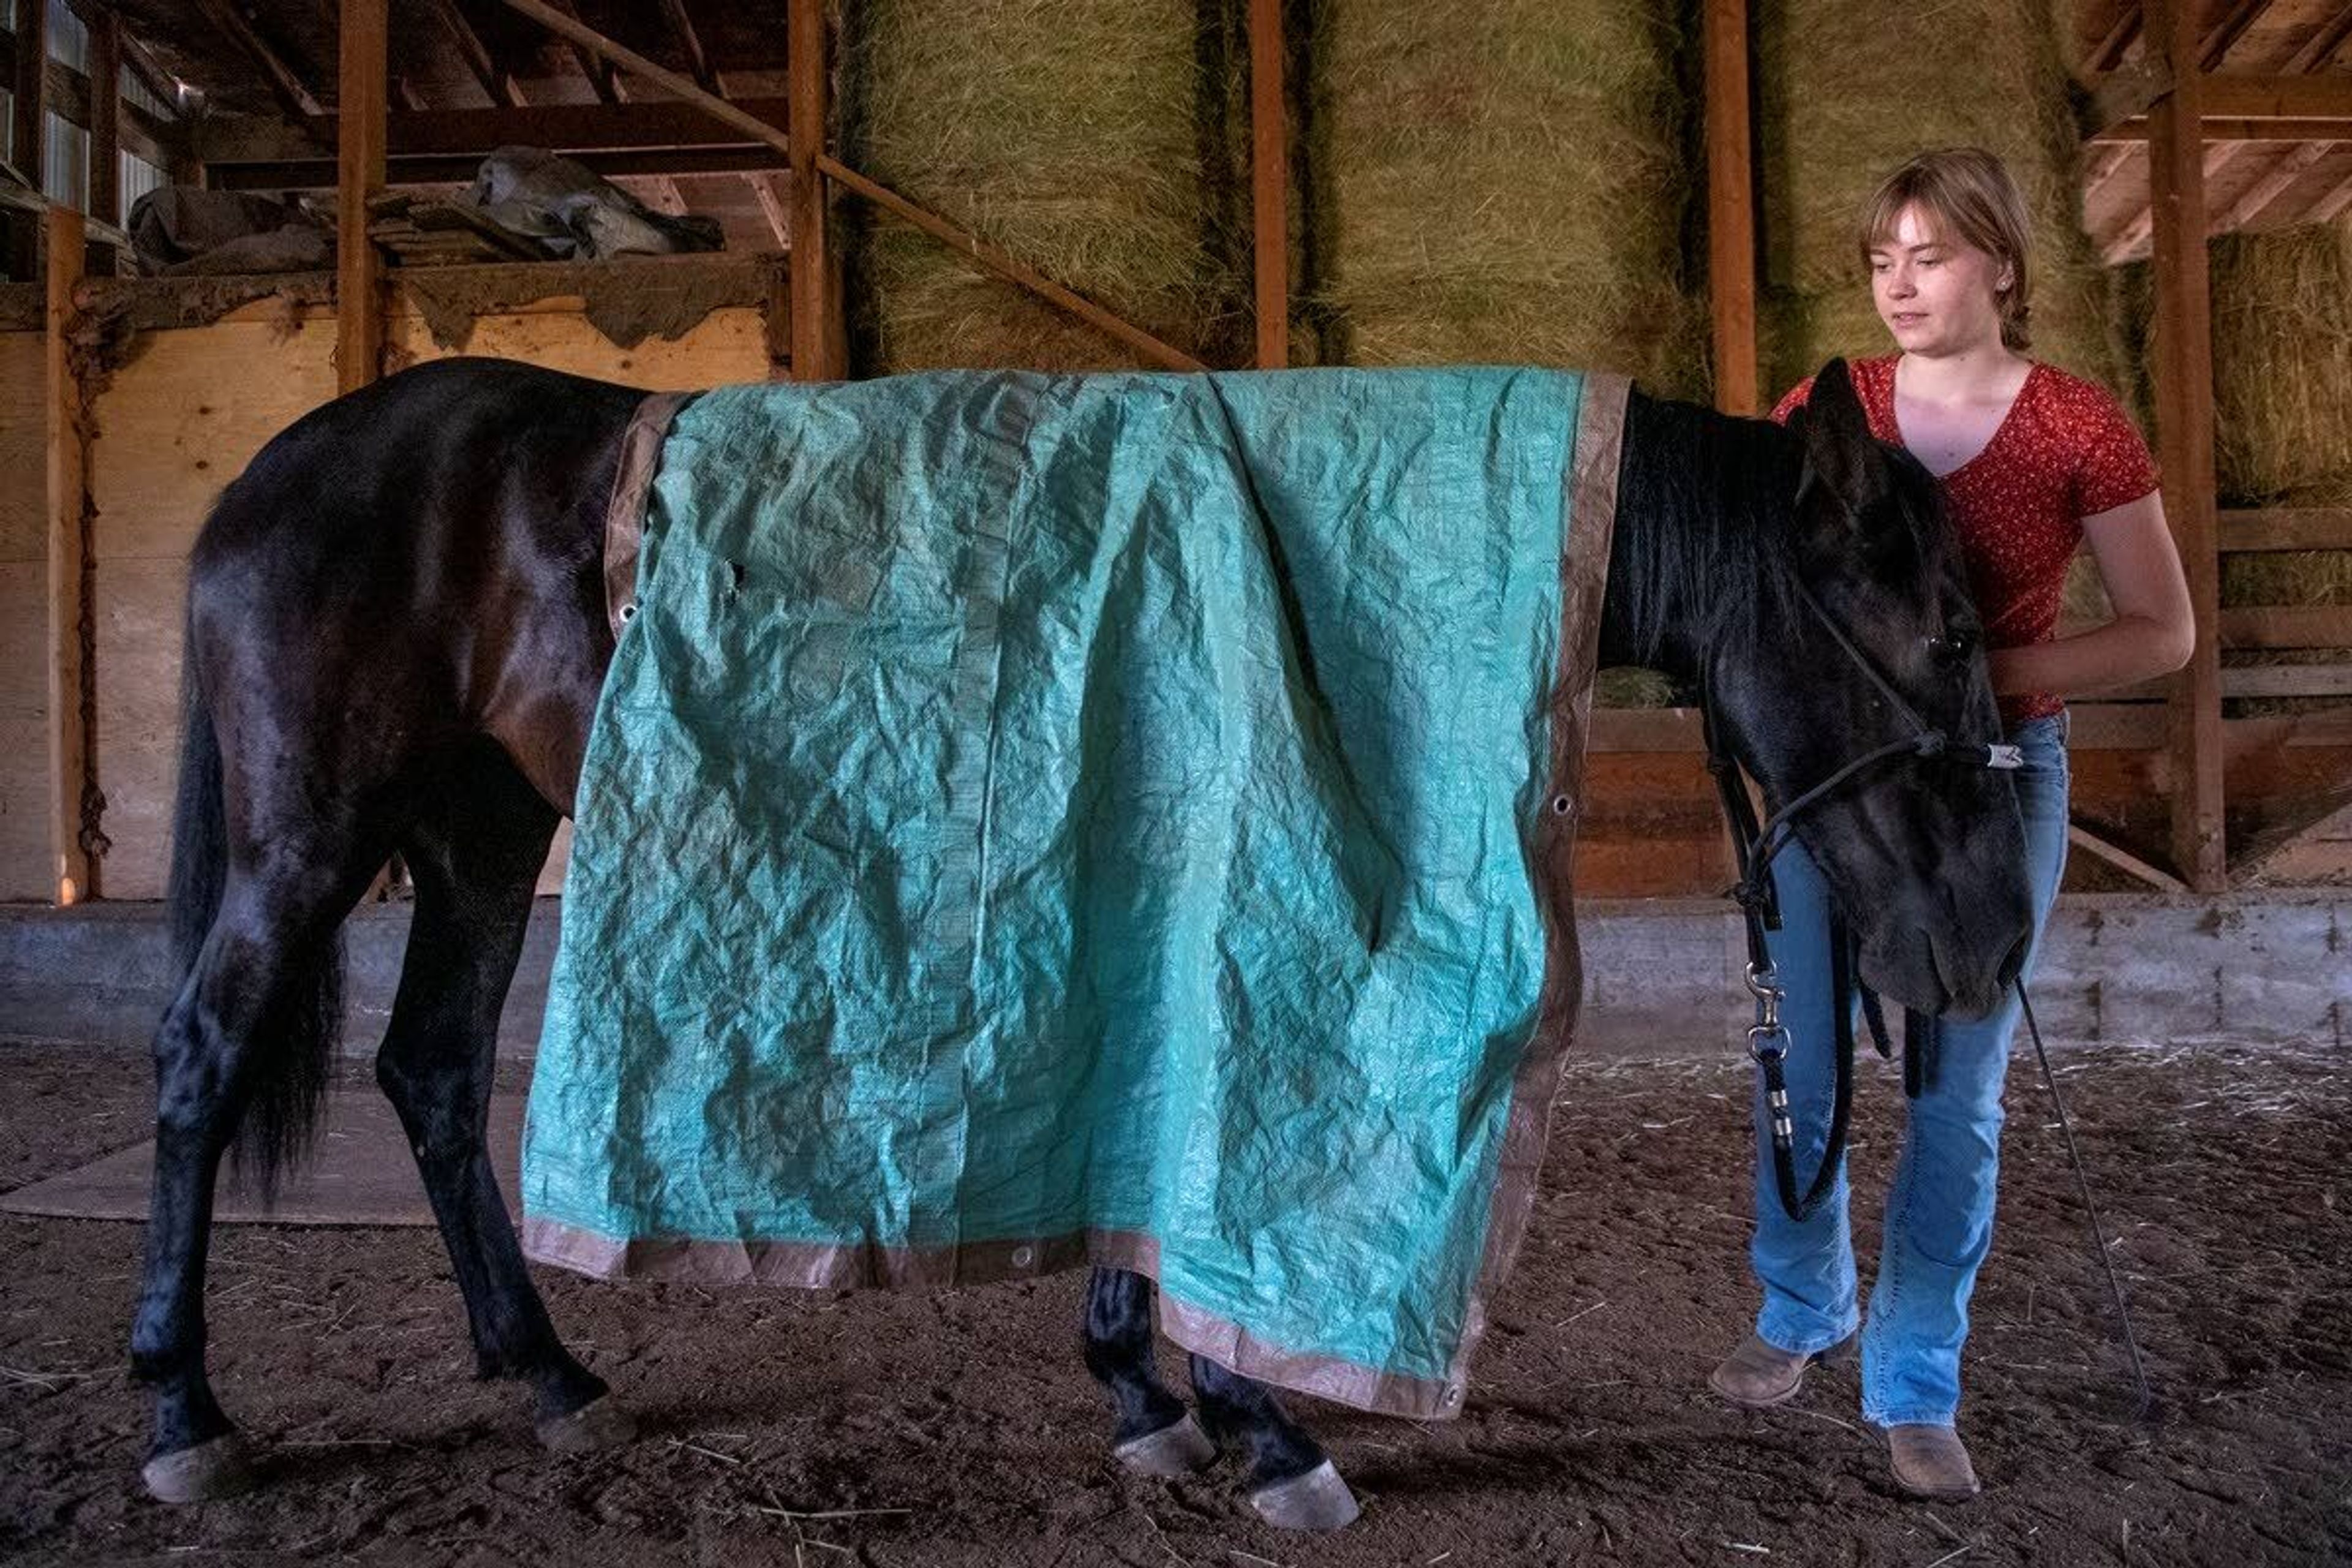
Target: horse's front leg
[{"x": 1293, "y": 1483}]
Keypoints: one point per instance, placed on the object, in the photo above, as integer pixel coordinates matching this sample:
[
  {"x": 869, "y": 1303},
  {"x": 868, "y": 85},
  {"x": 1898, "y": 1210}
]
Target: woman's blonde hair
[{"x": 1967, "y": 195}]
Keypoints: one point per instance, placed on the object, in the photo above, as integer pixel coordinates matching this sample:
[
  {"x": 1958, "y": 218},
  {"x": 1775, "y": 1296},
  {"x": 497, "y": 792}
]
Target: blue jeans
[{"x": 1939, "y": 1209}]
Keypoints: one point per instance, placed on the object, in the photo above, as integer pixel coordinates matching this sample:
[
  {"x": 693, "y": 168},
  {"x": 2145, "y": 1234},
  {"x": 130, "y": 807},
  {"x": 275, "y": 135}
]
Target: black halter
[{"x": 1754, "y": 845}]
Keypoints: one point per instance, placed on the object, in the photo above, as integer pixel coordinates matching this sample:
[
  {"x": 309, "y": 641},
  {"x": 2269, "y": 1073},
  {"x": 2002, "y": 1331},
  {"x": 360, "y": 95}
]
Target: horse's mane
[{"x": 1707, "y": 535}]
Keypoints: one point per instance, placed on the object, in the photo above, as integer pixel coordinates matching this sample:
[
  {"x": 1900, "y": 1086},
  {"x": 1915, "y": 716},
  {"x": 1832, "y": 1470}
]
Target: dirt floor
[{"x": 959, "y": 1427}]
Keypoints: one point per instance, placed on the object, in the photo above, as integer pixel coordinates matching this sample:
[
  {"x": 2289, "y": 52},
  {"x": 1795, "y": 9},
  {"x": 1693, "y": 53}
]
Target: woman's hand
[{"x": 2154, "y": 630}]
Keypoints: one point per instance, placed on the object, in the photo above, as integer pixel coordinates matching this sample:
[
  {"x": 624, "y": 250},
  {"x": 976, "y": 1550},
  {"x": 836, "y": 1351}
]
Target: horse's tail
[{"x": 291, "y": 1049}]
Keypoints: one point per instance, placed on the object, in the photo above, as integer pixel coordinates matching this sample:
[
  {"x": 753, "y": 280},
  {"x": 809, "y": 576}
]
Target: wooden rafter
[
  {"x": 772, "y": 205},
  {"x": 2333, "y": 201},
  {"x": 2274, "y": 183},
  {"x": 495, "y": 79},
  {"x": 2322, "y": 46},
  {"x": 2133, "y": 238},
  {"x": 2108, "y": 52},
  {"x": 698, "y": 62},
  {"x": 603, "y": 80},
  {"x": 285, "y": 84},
  {"x": 804, "y": 103},
  {"x": 2224, "y": 34}
]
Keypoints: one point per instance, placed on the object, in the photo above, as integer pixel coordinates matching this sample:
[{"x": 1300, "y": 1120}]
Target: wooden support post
[
  {"x": 106, "y": 116},
  {"x": 2184, "y": 399},
  {"x": 68, "y": 571},
  {"x": 360, "y": 167},
  {"x": 1731, "y": 209},
  {"x": 1269, "y": 185},
  {"x": 809, "y": 14},
  {"x": 804, "y": 59}
]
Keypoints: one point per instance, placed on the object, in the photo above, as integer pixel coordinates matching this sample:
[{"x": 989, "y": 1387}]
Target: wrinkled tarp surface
[{"x": 1037, "y": 820}]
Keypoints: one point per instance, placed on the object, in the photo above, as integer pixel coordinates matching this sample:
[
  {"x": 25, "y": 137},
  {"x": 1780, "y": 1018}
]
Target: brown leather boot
[
  {"x": 1930, "y": 1462},
  {"x": 1759, "y": 1374}
]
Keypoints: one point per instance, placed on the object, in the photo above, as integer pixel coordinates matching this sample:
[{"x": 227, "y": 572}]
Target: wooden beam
[
  {"x": 68, "y": 602},
  {"x": 227, "y": 141},
  {"x": 2123, "y": 859},
  {"x": 293, "y": 95},
  {"x": 698, "y": 63},
  {"x": 805, "y": 60},
  {"x": 70, "y": 97},
  {"x": 2286, "y": 625},
  {"x": 963, "y": 241},
  {"x": 363, "y": 84},
  {"x": 1731, "y": 210},
  {"x": 2184, "y": 399},
  {"x": 1269, "y": 185},
  {"x": 2312, "y": 106},
  {"x": 495, "y": 78},
  {"x": 2286, "y": 528},
  {"x": 459, "y": 169},
  {"x": 106, "y": 116}
]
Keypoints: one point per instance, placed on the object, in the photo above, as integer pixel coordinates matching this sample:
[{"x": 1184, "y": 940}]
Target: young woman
[{"x": 2033, "y": 462}]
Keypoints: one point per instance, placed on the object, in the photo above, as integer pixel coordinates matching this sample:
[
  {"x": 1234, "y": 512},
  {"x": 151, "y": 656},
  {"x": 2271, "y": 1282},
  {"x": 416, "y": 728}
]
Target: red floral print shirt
[{"x": 2064, "y": 451}]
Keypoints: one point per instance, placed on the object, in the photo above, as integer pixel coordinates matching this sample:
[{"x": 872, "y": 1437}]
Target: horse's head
[{"x": 1876, "y": 640}]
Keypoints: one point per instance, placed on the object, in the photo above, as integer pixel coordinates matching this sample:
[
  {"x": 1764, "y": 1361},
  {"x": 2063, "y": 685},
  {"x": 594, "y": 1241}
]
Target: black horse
[{"x": 396, "y": 633}]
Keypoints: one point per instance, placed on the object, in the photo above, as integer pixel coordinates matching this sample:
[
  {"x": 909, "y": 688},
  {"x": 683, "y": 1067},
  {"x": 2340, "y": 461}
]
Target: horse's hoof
[
  {"x": 603, "y": 1423},
  {"x": 221, "y": 1467},
  {"x": 1177, "y": 1450},
  {"x": 1316, "y": 1501}
]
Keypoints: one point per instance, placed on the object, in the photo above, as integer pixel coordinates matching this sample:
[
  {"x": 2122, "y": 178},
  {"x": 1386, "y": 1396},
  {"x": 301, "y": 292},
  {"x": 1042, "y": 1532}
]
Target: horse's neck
[{"x": 1689, "y": 491}]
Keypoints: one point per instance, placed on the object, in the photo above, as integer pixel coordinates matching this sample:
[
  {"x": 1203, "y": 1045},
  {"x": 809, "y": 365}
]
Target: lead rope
[{"x": 2090, "y": 1208}]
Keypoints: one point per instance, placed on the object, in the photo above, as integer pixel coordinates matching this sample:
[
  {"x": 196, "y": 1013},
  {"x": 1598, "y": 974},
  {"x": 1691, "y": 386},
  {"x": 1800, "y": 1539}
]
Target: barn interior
[{"x": 216, "y": 215}]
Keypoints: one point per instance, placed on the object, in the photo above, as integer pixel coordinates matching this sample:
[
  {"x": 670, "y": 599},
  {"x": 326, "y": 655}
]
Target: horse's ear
[{"x": 1838, "y": 443}]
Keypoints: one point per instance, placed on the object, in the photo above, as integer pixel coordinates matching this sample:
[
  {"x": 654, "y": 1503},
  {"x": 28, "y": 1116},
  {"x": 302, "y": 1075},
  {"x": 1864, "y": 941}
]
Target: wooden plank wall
[
  {"x": 176, "y": 421},
  {"x": 24, "y": 610}
]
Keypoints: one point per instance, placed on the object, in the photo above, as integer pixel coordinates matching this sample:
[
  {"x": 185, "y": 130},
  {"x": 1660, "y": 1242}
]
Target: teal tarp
[{"x": 1033, "y": 819}]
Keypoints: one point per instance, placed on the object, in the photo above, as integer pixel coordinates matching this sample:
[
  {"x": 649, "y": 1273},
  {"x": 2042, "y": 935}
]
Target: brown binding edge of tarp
[
  {"x": 1591, "y": 515},
  {"x": 624, "y": 515},
  {"x": 818, "y": 1266},
  {"x": 1588, "y": 513}
]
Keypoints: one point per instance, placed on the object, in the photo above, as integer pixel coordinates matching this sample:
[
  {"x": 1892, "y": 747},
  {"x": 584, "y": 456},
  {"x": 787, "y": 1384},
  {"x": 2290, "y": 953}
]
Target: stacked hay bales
[
  {"x": 1846, "y": 91},
  {"x": 1090, "y": 140},
  {"x": 1501, "y": 179},
  {"x": 2282, "y": 406}
]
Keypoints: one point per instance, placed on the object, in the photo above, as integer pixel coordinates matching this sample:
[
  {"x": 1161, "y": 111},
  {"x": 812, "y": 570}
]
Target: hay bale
[
  {"x": 2283, "y": 407},
  {"x": 1846, "y": 91},
  {"x": 1073, "y": 137},
  {"x": 1499, "y": 181}
]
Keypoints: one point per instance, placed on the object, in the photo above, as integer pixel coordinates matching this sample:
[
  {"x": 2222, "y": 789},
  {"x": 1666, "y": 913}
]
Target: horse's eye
[{"x": 1952, "y": 647}]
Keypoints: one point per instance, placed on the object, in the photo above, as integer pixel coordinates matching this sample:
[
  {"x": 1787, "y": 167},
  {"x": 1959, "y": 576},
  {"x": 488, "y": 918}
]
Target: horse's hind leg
[
  {"x": 475, "y": 854},
  {"x": 1156, "y": 1435},
  {"x": 1294, "y": 1486},
  {"x": 238, "y": 1019}
]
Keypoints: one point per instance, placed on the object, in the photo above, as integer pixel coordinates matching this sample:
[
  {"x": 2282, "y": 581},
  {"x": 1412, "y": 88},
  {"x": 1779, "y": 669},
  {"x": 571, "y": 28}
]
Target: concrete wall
[{"x": 1662, "y": 976}]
